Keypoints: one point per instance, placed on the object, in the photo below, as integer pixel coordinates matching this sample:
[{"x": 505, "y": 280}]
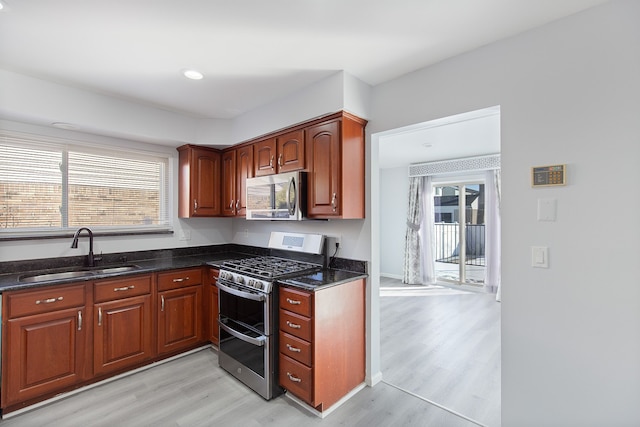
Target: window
[{"x": 49, "y": 187}]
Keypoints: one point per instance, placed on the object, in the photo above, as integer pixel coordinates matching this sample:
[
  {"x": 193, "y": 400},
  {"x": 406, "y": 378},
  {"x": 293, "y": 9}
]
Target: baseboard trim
[
  {"x": 392, "y": 276},
  {"x": 333, "y": 407}
]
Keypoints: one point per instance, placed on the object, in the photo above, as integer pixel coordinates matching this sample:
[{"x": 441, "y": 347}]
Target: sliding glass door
[{"x": 459, "y": 232}]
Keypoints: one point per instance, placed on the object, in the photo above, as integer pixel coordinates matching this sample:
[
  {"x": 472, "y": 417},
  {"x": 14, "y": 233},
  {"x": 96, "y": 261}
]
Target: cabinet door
[
  {"x": 198, "y": 182},
  {"x": 290, "y": 149},
  {"x": 229, "y": 183},
  {"x": 323, "y": 161},
  {"x": 179, "y": 319},
  {"x": 244, "y": 170},
  {"x": 45, "y": 353},
  {"x": 122, "y": 333},
  {"x": 206, "y": 183},
  {"x": 265, "y": 157}
]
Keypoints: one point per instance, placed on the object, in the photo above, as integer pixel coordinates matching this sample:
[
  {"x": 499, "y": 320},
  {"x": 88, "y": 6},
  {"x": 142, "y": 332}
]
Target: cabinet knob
[
  {"x": 334, "y": 200},
  {"x": 271, "y": 162},
  {"x": 280, "y": 160},
  {"x": 195, "y": 205}
]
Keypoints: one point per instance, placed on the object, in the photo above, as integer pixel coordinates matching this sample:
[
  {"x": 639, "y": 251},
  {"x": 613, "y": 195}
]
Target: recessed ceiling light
[
  {"x": 193, "y": 74},
  {"x": 63, "y": 125}
]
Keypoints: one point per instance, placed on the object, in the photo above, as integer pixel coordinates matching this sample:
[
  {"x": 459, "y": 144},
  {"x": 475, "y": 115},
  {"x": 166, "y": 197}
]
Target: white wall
[
  {"x": 569, "y": 93},
  {"x": 394, "y": 199}
]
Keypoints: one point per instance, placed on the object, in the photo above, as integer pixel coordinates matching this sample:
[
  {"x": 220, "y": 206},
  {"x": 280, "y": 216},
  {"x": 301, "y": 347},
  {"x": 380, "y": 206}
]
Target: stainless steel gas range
[{"x": 248, "y": 307}]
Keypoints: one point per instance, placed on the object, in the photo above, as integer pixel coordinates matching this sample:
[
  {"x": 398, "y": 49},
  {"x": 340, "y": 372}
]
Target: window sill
[{"x": 68, "y": 234}]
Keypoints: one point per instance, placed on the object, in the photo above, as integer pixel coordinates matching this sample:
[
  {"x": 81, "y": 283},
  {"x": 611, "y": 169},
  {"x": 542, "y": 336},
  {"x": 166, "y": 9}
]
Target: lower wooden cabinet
[
  {"x": 322, "y": 342},
  {"x": 123, "y": 324},
  {"x": 44, "y": 342},
  {"x": 179, "y": 310},
  {"x": 58, "y": 338}
]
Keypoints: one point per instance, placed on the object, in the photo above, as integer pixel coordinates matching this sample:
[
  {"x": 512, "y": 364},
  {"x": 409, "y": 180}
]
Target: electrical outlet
[
  {"x": 185, "y": 235},
  {"x": 338, "y": 240}
]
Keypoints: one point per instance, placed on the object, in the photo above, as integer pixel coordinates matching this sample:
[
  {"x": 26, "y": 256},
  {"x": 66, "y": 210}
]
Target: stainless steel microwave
[{"x": 278, "y": 197}]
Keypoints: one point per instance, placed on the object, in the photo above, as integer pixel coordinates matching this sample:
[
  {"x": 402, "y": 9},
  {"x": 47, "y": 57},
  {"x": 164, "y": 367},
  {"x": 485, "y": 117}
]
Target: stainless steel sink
[
  {"x": 45, "y": 277},
  {"x": 121, "y": 269}
]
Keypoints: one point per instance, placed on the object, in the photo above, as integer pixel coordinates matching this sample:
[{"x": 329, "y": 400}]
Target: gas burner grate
[{"x": 269, "y": 268}]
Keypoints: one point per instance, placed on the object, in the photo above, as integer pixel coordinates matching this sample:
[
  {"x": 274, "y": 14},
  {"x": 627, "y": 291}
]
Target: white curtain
[
  {"x": 427, "y": 233},
  {"x": 412, "y": 246},
  {"x": 492, "y": 219},
  {"x": 419, "y": 266}
]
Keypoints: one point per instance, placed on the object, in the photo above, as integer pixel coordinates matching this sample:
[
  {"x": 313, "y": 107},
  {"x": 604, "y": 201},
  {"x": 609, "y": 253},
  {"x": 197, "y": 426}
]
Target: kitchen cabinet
[
  {"x": 284, "y": 153},
  {"x": 322, "y": 342},
  {"x": 198, "y": 182},
  {"x": 212, "y": 313},
  {"x": 335, "y": 153},
  {"x": 123, "y": 324},
  {"x": 237, "y": 166},
  {"x": 44, "y": 346},
  {"x": 179, "y": 310}
]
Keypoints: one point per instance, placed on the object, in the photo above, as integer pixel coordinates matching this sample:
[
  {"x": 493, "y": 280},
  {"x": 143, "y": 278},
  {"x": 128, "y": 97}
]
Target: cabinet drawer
[
  {"x": 45, "y": 300},
  {"x": 296, "y": 325},
  {"x": 296, "y": 378},
  {"x": 296, "y": 301},
  {"x": 179, "y": 279},
  {"x": 295, "y": 348},
  {"x": 122, "y": 288}
]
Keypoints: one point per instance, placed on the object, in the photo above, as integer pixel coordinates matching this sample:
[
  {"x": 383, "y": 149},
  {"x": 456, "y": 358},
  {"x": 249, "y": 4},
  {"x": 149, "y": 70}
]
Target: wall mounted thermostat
[{"x": 544, "y": 176}]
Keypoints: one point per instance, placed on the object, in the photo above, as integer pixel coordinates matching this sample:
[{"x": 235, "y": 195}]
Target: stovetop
[{"x": 269, "y": 267}]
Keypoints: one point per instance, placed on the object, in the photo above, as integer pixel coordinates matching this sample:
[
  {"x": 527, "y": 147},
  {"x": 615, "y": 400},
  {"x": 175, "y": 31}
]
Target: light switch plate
[
  {"x": 540, "y": 256},
  {"x": 547, "y": 209}
]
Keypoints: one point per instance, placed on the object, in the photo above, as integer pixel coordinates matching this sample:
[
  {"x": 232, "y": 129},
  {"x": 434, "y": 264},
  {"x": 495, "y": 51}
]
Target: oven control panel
[{"x": 250, "y": 282}]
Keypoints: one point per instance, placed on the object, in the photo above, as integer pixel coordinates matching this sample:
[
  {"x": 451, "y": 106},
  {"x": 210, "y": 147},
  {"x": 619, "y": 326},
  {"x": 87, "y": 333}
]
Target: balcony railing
[{"x": 447, "y": 243}]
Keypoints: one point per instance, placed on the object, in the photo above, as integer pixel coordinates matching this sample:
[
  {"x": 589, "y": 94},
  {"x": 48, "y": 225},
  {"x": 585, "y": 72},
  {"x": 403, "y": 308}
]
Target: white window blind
[{"x": 47, "y": 185}]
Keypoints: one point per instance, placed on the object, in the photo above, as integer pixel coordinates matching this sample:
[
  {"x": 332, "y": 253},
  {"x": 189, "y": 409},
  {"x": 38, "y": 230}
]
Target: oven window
[
  {"x": 243, "y": 310},
  {"x": 250, "y": 355}
]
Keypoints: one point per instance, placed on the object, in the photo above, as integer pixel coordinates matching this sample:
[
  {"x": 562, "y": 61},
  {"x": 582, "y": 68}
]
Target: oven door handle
[
  {"x": 239, "y": 293},
  {"x": 255, "y": 341}
]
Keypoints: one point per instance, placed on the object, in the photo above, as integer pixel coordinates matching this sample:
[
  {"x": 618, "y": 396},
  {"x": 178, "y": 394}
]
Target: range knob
[
  {"x": 240, "y": 280},
  {"x": 259, "y": 285},
  {"x": 252, "y": 283}
]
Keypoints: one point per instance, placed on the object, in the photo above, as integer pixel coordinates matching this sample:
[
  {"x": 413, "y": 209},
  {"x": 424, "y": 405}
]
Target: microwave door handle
[
  {"x": 292, "y": 208},
  {"x": 239, "y": 293},
  {"x": 255, "y": 341}
]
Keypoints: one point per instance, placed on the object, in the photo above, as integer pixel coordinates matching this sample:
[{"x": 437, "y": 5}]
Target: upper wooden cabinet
[
  {"x": 335, "y": 161},
  {"x": 284, "y": 153},
  {"x": 237, "y": 166},
  {"x": 198, "y": 182}
]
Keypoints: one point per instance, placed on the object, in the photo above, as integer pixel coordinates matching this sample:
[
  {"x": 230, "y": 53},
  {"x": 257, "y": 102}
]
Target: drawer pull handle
[
  {"x": 99, "y": 316},
  {"x": 49, "y": 300},
  {"x": 293, "y": 325},
  {"x": 162, "y": 303},
  {"x": 294, "y": 349},
  {"x": 79, "y": 320},
  {"x": 293, "y": 301},
  {"x": 294, "y": 378},
  {"x": 124, "y": 288},
  {"x": 180, "y": 279}
]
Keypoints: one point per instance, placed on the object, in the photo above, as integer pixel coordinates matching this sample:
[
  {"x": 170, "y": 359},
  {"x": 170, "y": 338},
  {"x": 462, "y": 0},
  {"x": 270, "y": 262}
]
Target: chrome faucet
[{"x": 90, "y": 258}]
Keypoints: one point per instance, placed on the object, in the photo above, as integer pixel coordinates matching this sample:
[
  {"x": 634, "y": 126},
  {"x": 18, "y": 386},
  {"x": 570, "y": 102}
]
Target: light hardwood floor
[
  {"x": 444, "y": 347},
  {"x": 194, "y": 391}
]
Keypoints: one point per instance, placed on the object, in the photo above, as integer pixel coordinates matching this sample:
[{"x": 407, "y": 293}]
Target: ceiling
[
  {"x": 470, "y": 134},
  {"x": 252, "y": 52}
]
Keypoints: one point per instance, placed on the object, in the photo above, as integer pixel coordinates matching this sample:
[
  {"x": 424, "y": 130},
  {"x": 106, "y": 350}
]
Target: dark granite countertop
[
  {"x": 323, "y": 279},
  {"x": 162, "y": 260}
]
